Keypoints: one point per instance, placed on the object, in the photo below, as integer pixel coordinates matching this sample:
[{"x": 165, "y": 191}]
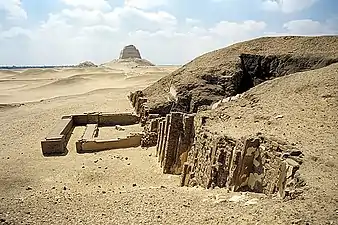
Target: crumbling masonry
[
  {"x": 175, "y": 136},
  {"x": 255, "y": 164},
  {"x": 185, "y": 147}
]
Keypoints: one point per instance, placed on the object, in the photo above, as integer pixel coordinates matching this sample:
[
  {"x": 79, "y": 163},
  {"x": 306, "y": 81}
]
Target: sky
[{"x": 63, "y": 32}]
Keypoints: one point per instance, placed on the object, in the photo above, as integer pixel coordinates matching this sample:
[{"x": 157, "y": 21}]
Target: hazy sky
[{"x": 166, "y": 31}]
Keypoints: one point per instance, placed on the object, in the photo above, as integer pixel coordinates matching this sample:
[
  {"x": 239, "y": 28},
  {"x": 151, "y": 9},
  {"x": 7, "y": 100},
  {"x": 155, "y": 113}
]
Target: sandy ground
[{"x": 111, "y": 187}]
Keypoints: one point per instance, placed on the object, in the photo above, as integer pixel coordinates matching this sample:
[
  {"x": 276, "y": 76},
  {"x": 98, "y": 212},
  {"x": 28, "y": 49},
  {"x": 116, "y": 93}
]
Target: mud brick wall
[
  {"x": 255, "y": 164},
  {"x": 140, "y": 106},
  {"x": 175, "y": 137},
  {"x": 150, "y": 136}
]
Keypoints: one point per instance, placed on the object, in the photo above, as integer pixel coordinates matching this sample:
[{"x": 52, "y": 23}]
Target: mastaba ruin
[
  {"x": 202, "y": 158},
  {"x": 169, "y": 112},
  {"x": 185, "y": 147}
]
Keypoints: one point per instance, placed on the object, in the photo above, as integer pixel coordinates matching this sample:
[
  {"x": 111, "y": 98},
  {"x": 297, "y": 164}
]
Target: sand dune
[
  {"x": 31, "y": 85},
  {"x": 32, "y": 101}
]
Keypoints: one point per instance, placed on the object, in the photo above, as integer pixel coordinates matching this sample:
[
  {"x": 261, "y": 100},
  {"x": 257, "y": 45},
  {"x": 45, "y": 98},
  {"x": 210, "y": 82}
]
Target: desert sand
[
  {"x": 35, "y": 189},
  {"x": 127, "y": 186}
]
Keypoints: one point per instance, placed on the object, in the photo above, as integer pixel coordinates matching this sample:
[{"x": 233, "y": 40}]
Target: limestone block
[
  {"x": 154, "y": 125},
  {"x": 135, "y": 96},
  {"x": 223, "y": 151},
  {"x": 185, "y": 175},
  {"x": 89, "y": 134},
  {"x": 106, "y": 119},
  {"x": 250, "y": 175}
]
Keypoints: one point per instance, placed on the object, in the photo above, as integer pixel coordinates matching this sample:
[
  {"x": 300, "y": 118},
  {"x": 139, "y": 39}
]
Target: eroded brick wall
[
  {"x": 255, "y": 164},
  {"x": 175, "y": 137}
]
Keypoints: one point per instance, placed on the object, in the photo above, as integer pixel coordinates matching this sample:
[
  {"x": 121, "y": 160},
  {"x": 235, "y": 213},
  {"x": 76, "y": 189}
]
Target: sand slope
[
  {"x": 236, "y": 68},
  {"x": 20, "y": 86}
]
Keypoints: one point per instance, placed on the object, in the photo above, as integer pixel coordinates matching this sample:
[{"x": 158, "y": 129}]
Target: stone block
[
  {"x": 252, "y": 164},
  {"x": 139, "y": 104},
  {"x": 56, "y": 141}
]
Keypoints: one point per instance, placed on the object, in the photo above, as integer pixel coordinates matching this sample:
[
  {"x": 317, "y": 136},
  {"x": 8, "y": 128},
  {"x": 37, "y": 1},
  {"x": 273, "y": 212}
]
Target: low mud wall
[
  {"x": 89, "y": 146},
  {"x": 56, "y": 141},
  {"x": 106, "y": 119}
]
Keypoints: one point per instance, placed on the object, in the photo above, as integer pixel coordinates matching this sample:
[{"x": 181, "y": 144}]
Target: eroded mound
[
  {"x": 86, "y": 64},
  {"x": 237, "y": 68},
  {"x": 131, "y": 62}
]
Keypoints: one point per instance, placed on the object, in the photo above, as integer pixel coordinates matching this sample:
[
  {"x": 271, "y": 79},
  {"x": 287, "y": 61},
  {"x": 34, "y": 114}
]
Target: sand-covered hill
[
  {"x": 235, "y": 69},
  {"x": 299, "y": 109},
  {"x": 132, "y": 62}
]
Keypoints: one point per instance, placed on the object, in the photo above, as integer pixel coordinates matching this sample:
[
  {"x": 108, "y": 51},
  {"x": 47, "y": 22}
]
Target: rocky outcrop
[
  {"x": 130, "y": 52},
  {"x": 235, "y": 69}
]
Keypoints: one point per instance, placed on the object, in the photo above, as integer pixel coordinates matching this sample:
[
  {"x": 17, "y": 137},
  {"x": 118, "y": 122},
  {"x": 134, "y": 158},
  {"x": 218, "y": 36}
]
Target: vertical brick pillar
[
  {"x": 159, "y": 138},
  {"x": 164, "y": 139},
  {"x": 171, "y": 147},
  {"x": 185, "y": 143}
]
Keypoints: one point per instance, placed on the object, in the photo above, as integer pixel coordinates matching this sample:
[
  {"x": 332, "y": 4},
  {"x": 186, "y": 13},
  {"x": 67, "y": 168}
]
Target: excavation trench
[{"x": 255, "y": 163}]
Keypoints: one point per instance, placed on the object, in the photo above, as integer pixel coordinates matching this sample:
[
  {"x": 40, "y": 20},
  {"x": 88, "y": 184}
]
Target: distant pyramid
[{"x": 130, "y": 52}]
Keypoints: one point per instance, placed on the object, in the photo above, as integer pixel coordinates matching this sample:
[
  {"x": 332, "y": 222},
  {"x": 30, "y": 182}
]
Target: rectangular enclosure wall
[{"x": 56, "y": 141}]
